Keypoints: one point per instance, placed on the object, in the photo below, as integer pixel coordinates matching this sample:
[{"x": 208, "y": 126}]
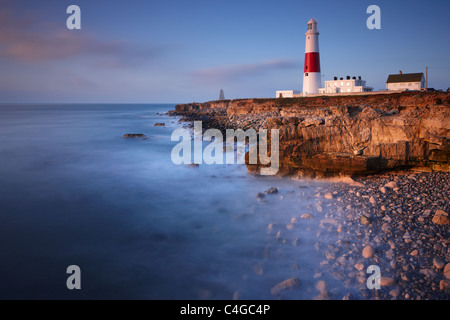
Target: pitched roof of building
[{"x": 405, "y": 77}]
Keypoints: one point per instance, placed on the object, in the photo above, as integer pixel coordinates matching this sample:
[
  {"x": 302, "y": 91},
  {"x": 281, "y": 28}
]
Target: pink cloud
[
  {"x": 19, "y": 41},
  {"x": 238, "y": 71}
]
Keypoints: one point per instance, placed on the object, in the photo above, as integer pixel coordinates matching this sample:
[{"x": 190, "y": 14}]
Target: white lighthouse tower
[{"x": 311, "y": 73}]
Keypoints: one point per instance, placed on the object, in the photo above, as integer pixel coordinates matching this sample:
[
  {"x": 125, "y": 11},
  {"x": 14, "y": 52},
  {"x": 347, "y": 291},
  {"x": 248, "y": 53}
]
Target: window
[
  {"x": 342, "y": 83},
  {"x": 306, "y": 74},
  {"x": 348, "y": 83},
  {"x": 309, "y": 26}
]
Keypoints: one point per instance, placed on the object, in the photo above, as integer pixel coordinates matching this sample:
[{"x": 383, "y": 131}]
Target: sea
[{"x": 75, "y": 192}]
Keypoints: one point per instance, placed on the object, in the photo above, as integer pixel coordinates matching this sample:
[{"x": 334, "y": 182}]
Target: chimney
[
  {"x": 335, "y": 78},
  {"x": 342, "y": 78},
  {"x": 354, "y": 78},
  {"x": 359, "y": 77},
  {"x": 400, "y": 72},
  {"x": 348, "y": 77}
]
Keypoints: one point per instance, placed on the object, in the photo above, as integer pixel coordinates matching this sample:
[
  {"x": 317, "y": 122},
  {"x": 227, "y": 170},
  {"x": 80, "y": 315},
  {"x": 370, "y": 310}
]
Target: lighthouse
[{"x": 311, "y": 73}]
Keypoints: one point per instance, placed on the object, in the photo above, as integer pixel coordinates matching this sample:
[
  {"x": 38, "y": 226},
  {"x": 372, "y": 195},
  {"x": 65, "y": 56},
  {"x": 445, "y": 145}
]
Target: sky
[{"x": 176, "y": 51}]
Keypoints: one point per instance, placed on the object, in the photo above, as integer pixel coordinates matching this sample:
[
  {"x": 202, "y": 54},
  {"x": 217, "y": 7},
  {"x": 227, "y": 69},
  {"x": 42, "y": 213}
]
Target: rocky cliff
[{"x": 323, "y": 136}]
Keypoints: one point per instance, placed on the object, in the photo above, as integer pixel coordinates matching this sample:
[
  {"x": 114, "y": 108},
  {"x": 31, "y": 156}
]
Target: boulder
[{"x": 441, "y": 217}]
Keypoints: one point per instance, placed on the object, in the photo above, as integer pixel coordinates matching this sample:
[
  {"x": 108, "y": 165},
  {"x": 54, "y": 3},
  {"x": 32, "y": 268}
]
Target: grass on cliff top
[{"x": 444, "y": 97}]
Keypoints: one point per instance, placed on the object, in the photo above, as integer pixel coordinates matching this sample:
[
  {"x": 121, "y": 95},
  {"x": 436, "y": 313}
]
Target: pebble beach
[{"x": 398, "y": 222}]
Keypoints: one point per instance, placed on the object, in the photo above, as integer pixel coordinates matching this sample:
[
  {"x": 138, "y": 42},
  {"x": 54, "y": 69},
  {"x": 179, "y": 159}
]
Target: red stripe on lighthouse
[{"x": 312, "y": 62}]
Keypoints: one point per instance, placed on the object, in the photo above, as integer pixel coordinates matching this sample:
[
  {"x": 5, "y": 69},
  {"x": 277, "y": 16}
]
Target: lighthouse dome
[{"x": 312, "y": 26}]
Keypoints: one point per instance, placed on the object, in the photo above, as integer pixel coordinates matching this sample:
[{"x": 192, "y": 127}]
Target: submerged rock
[
  {"x": 285, "y": 285},
  {"x": 271, "y": 190},
  {"x": 134, "y": 135}
]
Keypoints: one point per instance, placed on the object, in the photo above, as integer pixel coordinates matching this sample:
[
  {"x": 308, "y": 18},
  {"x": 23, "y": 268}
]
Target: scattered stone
[
  {"x": 438, "y": 263},
  {"x": 391, "y": 184},
  {"x": 444, "y": 285},
  {"x": 348, "y": 296},
  {"x": 330, "y": 256},
  {"x": 372, "y": 200},
  {"x": 426, "y": 213},
  {"x": 322, "y": 296},
  {"x": 447, "y": 271},
  {"x": 386, "y": 227},
  {"x": 285, "y": 285},
  {"x": 321, "y": 286},
  {"x": 395, "y": 292},
  {"x": 428, "y": 273},
  {"x": 260, "y": 195},
  {"x": 368, "y": 252},
  {"x": 407, "y": 237},
  {"x": 386, "y": 281},
  {"x": 328, "y": 195},
  {"x": 306, "y": 216},
  {"x": 364, "y": 220},
  {"x": 441, "y": 217},
  {"x": 359, "y": 266},
  {"x": 290, "y": 226},
  {"x": 383, "y": 189},
  {"x": 414, "y": 253},
  {"x": 271, "y": 190}
]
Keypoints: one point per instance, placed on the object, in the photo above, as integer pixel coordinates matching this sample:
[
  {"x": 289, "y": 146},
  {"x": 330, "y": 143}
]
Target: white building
[
  {"x": 347, "y": 85},
  {"x": 405, "y": 81},
  {"x": 287, "y": 93}
]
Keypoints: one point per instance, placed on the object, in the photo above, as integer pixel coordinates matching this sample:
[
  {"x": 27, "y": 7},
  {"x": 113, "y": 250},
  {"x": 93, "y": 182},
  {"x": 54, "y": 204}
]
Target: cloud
[
  {"x": 241, "y": 71},
  {"x": 24, "y": 39}
]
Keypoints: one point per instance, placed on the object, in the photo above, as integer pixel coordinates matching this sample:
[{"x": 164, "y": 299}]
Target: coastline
[
  {"x": 349, "y": 135},
  {"x": 394, "y": 217}
]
